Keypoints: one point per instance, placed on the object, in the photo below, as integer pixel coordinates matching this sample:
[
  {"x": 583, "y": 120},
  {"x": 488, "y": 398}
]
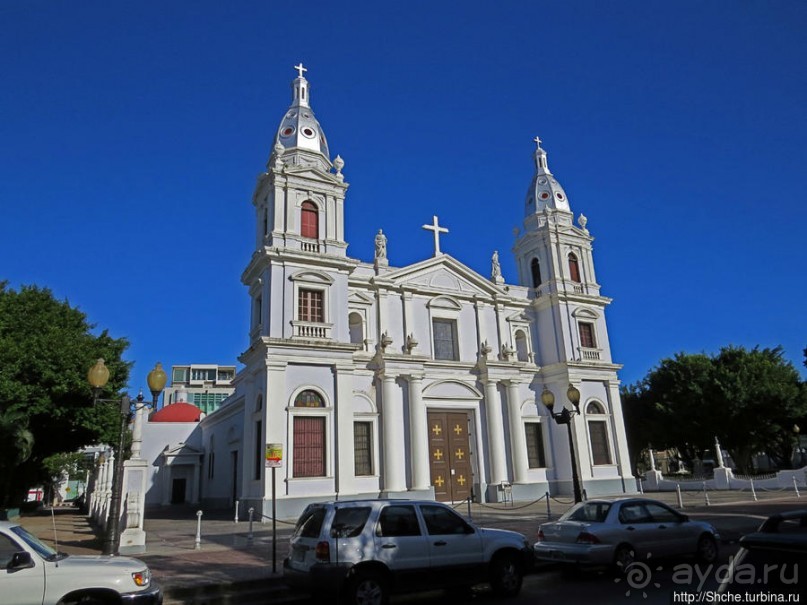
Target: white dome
[
  {"x": 299, "y": 129},
  {"x": 544, "y": 191}
]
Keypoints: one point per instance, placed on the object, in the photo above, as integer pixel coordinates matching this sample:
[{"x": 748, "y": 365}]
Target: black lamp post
[
  {"x": 565, "y": 417},
  {"x": 98, "y": 376}
]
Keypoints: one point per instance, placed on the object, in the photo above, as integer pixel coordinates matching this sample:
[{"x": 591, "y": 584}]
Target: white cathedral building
[{"x": 421, "y": 381}]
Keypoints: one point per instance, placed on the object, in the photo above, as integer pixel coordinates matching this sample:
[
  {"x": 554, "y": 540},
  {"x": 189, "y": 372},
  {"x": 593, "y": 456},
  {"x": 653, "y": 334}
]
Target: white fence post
[
  {"x": 236, "y": 511},
  {"x": 680, "y": 499},
  {"x": 796, "y": 487},
  {"x": 198, "y": 530},
  {"x": 706, "y": 495},
  {"x": 249, "y": 536},
  {"x": 753, "y": 491}
]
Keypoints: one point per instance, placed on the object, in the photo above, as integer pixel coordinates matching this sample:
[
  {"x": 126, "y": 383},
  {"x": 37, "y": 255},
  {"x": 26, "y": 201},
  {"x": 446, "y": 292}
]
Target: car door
[
  {"x": 401, "y": 544},
  {"x": 678, "y": 536},
  {"x": 640, "y": 530},
  {"x": 455, "y": 546},
  {"x": 27, "y": 585}
]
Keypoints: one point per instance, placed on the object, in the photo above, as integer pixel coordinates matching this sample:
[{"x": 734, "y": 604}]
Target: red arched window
[
  {"x": 309, "y": 224},
  {"x": 574, "y": 268}
]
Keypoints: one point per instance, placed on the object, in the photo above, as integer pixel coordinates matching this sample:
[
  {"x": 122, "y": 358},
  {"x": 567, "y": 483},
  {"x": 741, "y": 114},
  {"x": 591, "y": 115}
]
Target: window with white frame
[
  {"x": 536, "y": 456},
  {"x": 588, "y": 339},
  {"x": 310, "y": 306},
  {"x": 356, "y": 328},
  {"x": 597, "y": 422},
  {"x": 445, "y": 339},
  {"x": 363, "y": 448}
]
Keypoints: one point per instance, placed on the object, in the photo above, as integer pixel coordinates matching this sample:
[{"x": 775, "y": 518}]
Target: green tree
[
  {"x": 749, "y": 399},
  {"x": 46, "y": 406}
]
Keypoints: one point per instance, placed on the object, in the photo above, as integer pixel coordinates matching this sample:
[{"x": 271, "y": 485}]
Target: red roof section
[{"x": 177, "y": 412}]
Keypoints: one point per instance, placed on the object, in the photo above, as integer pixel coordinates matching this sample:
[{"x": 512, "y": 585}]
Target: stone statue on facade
[{"x": 380, "y": 245}]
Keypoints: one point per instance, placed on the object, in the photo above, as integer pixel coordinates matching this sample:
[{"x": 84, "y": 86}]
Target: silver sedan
[{"x": 619, "y": 532}]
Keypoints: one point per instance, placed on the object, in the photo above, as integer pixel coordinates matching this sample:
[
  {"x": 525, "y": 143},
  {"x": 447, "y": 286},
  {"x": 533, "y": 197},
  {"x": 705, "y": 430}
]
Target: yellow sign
[{"x": 274, "y": 455}]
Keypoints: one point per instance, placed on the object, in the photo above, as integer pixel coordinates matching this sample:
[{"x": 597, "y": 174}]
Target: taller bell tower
[{"x": 297, "y": 276}]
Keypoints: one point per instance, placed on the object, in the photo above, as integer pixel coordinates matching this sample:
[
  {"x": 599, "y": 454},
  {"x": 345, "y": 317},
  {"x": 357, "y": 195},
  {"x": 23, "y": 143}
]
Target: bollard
[
  {"x": 706, "y": 495},
  {"x": 796, "y": 487},
  {"x": 469, "y": 507},
  {"x": 249, "y": 535},
  {"x": 198, "y": 530},
  {"x": 236, "y": 511},
  {"x": 680, "y": 499},
  {"x": 753, "y": 491},
  {"x": 641, "y": 487},
  {"x": 548, "y": 510}
]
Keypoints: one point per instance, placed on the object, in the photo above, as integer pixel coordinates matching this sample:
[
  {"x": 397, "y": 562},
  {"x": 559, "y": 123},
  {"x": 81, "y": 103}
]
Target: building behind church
[{"x": 422, "y": 381}]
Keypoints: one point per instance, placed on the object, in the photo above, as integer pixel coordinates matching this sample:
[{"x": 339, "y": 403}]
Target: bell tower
[
  {"x": 555, "y": 261},
  {"x": 297, "y": 276}
]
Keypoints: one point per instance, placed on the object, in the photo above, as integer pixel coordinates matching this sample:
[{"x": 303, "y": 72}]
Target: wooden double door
[{"x": 450, "y": 456}]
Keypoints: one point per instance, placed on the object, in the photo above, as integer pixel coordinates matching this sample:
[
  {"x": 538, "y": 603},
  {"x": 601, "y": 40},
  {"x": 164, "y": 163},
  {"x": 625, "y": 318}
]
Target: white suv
[{"x": 364, "y": 550}]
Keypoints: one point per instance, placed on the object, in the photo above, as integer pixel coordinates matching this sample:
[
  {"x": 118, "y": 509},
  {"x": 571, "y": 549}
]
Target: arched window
[
  {"x": 522, "y": 351},
  {"x": 309, "y": 220},
  {"x": 309, "y": 399},
  {"x": 574, "y": 268},
  {"x": 356, "y": 327},
  {"x": 308, "y": 451},
  {"x": 597, "y": 421},
  {"x": 535, "y": 268}
]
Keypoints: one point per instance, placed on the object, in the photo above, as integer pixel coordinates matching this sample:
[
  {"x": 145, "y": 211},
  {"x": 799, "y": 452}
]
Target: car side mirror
[{"x": 20, "y": 560}]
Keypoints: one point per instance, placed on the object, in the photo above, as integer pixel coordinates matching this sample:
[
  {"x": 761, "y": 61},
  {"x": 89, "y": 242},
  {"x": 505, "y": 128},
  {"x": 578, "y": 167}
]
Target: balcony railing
[
  {"x": 311, "y": 330},
  {"x": 589, "y": 354},
  {"x": 309, "y": 245}
]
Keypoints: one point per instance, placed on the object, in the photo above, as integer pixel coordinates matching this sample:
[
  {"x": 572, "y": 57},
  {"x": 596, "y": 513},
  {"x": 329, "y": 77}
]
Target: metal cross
[
  {"x": 437, "y": 229},
  {"x": 459, "y": 454},
  {"x": 461, "y": 480},
  {"x": 439, "y": 481},
  {"x": 300, "y": 69},
  {"x": 436, "y": 429},
  {"x": 458, "y": 429},
  {"x": 438, "y": 454},
  {"x": 538, "y": 141}
]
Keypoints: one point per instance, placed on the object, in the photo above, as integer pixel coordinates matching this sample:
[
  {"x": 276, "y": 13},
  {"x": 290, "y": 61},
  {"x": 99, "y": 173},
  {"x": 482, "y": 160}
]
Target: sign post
[{"x": 274, "y": 459}]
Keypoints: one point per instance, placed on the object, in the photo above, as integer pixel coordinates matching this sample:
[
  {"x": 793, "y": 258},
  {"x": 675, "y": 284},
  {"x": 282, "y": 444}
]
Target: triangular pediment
[
  {"x": 444, "y": 274},
  {"x": 312, "y": 174},
  {"x": 180, "y": 449},
  {"x": 359, "y": 298}
]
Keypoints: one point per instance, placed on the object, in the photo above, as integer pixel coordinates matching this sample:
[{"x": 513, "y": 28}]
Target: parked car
[
  {"x": 364, "y": 550},
  {"x": 32, "y": 573},
  {"x": 769, "y": 559},
  {"x": 619, "y": 532}
]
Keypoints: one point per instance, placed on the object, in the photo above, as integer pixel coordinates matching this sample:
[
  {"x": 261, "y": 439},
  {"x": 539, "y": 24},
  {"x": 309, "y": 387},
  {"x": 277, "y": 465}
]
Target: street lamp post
[
  {"x": 565, "y": 417},
  {"x": 98, "y": 376}
]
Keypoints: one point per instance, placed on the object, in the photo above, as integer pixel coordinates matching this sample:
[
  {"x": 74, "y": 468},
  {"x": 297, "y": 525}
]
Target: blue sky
[{"x": 132, "y": 134}]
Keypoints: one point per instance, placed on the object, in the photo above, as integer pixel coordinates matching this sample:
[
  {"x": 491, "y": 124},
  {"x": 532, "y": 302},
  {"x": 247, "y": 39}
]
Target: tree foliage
[
  {"x": 749, "y": 399},
  {"x": 46, "y": 405}
]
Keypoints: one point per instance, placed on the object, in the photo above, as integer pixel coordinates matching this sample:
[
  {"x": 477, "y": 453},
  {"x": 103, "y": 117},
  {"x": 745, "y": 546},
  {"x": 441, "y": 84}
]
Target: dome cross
[{"x": 300, "y": 69}]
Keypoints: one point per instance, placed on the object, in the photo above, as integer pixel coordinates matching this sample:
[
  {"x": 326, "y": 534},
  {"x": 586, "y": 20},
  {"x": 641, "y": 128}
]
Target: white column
[
  {"x": 418, "y": 435},
  {"x": 518, "y": 445},
  {"x": 496, "y": 446},
  {"x": 393, "y": 424},
  {"x": 137, "y": 433},
  {"x": 618, "y": 425},
  {"x": 345, "y": 467}
]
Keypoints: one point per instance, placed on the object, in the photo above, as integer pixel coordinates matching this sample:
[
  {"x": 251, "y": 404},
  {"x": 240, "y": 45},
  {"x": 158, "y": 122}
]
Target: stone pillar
[
  {"x": 518, "y": 445},
  {"x": 496, "y": 446},
  {"x": 393, "y": 425},
  {"x": 418, "y": 435},
  {"x": 133, "y": 538},
  {"x": 137, "y": 433}
]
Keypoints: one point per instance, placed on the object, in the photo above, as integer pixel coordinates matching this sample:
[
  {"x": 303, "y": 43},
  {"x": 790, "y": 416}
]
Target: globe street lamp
[
  {"x": 565, "y": 417},
  {"x": 98, "y": 376}
]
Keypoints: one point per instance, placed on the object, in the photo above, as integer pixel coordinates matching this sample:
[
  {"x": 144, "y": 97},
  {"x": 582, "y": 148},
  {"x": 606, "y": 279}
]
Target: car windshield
[
  {"x": 43, "y": 550},
  {"x": 588, "y": 511}
]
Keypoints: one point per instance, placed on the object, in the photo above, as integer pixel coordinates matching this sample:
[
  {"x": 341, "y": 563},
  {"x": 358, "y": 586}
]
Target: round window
[
  {"x": 544, "y": 195},
  {"x": 287, "y": 131},
  {"x": 559, "y": 195},
  {"x": 308, "y": 132}
]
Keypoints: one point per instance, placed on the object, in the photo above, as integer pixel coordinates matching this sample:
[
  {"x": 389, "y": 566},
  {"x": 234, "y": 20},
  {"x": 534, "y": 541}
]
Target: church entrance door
[{"x": 450, "y": 456}]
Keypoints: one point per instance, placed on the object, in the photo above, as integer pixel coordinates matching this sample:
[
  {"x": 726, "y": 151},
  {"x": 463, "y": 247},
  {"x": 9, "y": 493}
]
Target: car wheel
[
  {"x": 368, "y": 588},
  {"x": 624, "y": 558},
  {"x": 506, "y": 575},
  {"x": 706, "y": 551}
]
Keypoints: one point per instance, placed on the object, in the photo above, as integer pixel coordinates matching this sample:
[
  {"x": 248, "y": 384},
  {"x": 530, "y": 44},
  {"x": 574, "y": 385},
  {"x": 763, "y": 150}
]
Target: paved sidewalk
[{"x": 227, "y": 556}]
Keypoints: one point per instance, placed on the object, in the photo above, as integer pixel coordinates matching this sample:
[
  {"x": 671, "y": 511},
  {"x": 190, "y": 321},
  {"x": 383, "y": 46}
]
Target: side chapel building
[{"x": 421, "y": 381}]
